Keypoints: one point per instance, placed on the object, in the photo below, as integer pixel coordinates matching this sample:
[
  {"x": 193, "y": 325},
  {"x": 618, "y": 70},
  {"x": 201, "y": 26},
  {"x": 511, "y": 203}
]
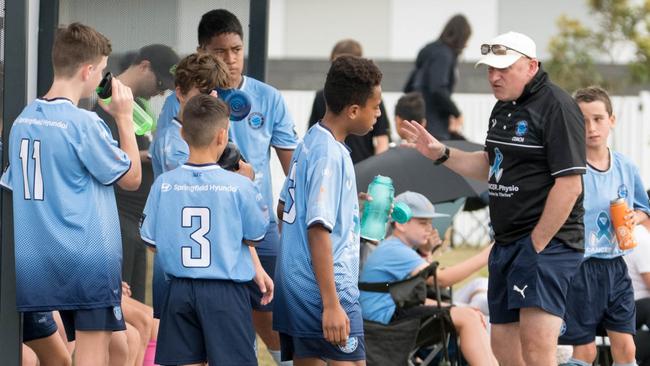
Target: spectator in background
[
  {"x": 409, "y": 107},
  {"x": 374, "y": 142},
  {"x": 147, "y": 73},
  {"x": 435, "y": 76}
]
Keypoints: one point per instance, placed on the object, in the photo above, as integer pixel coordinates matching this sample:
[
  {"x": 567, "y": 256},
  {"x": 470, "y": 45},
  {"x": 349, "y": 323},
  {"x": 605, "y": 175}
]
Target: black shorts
[
  {"x": 206, "y": 320},
  {"x": 601, "y": 294},
  {"x": 38, "y": 324},
  {"x": 100, "y": 319},
  {"x": 522, "y": 278}
]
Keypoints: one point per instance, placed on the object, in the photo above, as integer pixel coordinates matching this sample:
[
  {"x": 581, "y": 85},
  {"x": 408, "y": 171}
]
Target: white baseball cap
[{"x": 516, "y": 46}]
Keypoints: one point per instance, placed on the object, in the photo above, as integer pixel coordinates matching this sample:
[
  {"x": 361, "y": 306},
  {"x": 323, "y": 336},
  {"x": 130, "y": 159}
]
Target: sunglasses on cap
[{"x": 498, "y": 49}]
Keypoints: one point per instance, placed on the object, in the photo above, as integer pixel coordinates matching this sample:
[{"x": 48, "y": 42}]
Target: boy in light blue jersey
[
  {"x": 201, "y": 220},
  {"x": 63, "y": 163},
  {"x": 198, "y": 73},
  {"x": 267, "y": 125},
  {"x": 601, "y": 293},
  {"x": 317, "y": 309}
]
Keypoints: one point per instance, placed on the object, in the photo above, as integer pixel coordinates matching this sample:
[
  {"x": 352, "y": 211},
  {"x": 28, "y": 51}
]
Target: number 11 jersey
[{"x": 62, "y": 163}]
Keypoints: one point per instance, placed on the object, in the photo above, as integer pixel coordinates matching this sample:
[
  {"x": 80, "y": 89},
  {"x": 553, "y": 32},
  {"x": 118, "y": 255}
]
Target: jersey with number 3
[
  {"x": 68, "y": 248},
  {"x": 197, "y": 217},
  {"x": 321, "y": 190}
]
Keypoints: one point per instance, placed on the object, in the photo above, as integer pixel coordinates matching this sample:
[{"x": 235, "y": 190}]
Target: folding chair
[{"x": 397, "y": 342}]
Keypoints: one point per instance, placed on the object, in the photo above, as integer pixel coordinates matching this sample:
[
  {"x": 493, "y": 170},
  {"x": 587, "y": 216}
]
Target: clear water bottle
[
  {"x": 375, "y": 212},
  {"x": 142, "y": 121}
]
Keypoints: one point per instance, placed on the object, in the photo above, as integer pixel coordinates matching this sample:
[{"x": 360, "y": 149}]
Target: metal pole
[
  {"x": 48, "y": 22},
  {"x": 14, "y": 99},
  {"x": 258, "y": 44}
]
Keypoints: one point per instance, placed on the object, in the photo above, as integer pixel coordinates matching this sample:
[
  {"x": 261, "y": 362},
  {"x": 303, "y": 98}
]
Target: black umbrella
[{"x": 414, "y": 172}]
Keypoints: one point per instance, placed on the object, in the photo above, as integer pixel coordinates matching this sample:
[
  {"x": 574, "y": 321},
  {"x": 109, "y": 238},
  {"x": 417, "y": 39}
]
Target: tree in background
[{"x": 621, "y": 27}]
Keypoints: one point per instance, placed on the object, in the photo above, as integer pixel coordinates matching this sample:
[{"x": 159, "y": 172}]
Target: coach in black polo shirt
[{"x": 534, "y": 159}]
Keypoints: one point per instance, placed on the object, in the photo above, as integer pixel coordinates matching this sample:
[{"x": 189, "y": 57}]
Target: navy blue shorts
[
  {"x": 268, "y": 263},
  {"x": 601, "y": 293},
  {"x": 522, "y": 278},
  {"x": 301, "y": 347},
  {"x": 38, "y": 324},
  {"x": 107, "y": 319},
  {"x": 206, "y": 320}
]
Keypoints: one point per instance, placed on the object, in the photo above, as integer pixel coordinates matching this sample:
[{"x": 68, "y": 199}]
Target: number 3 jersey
[
  {"x": 197, "y": 217},
  {"x": 68, "y": 249}
]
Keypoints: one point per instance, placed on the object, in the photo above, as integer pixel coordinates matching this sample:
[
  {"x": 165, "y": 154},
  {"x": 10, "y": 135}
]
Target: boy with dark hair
[
  {"x": 63, "y": 164},
  {"x": 602, "y": 278},
  {"x": 267, "y": 125},
  {"x": 147, "y": 75},
  {"x": 317, "y": 309},
  {"x": 409, "y": 107},
  {"x": 207, "y": 312},
  {"x": 361, "y": 147}
]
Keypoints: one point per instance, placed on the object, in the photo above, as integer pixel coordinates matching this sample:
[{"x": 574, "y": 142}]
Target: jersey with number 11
[{"x": 63, "y": 162}]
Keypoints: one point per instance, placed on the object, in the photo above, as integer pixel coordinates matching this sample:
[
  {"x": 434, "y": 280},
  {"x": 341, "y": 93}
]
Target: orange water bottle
[{"x": 623, "y": 228}]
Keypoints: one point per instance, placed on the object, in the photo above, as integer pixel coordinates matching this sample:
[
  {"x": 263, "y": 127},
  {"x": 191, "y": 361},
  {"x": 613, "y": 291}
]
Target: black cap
[{"x": 163, "y": 61}]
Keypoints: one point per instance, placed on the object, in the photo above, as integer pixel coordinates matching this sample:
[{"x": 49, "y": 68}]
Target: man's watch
[{"x": 443, "y": 157}]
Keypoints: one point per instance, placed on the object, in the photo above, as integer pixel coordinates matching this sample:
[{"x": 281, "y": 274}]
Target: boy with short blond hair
[{"x": 63, "y": 163}]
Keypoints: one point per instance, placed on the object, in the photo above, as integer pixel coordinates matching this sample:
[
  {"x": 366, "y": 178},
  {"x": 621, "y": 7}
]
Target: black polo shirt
[{"x": 530, "y": 142}]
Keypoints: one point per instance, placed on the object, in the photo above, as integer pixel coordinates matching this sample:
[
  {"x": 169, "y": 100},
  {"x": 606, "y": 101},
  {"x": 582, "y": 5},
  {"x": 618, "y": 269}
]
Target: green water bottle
[
  {"x": 375, "y": 212},
  {"x": 142, "y": 121}
]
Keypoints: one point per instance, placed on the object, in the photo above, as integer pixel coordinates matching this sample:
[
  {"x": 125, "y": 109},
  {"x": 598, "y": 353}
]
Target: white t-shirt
[{"x": 638, "y": 262}]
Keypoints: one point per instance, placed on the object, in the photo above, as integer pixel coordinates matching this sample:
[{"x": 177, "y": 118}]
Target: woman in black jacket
[{"x": 435, "y": 75}]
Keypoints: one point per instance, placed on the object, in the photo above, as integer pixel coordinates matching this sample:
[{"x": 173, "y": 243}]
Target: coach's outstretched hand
[{"x": 419, "y": 138}]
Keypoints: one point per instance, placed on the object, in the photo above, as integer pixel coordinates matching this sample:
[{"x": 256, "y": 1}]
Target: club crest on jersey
[
  {"x": 521, "y": 128},
  {"x": 350, "y": 346},
  {"x": 117, "y": 311},
  {"x": 256, "y": 120},
  {"x": 622, "y": 191}
]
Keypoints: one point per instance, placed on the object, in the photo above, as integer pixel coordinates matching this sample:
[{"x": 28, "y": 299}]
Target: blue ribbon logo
[
  {"x": 495, "y": 169},
  {"x": 603, "y": 226}
]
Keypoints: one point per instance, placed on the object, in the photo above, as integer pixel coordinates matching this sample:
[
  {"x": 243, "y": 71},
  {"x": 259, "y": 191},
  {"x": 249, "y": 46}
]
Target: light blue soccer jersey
[
  {"x": 197, "y": 218},
  {"x": 391, "y": 261},
  {"x": 268, "y": 124},
  {"x": 168, "y": 112},
  {"x": 320, "y": 189},
  {"x": 63, "y": 162},
  {"x": 169, "y": 150},
  {"x": 621, "y": 180}
]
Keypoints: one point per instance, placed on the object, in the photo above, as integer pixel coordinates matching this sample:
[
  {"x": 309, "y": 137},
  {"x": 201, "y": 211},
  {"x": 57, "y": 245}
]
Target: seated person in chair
[{"x": 396, "y": 258}]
